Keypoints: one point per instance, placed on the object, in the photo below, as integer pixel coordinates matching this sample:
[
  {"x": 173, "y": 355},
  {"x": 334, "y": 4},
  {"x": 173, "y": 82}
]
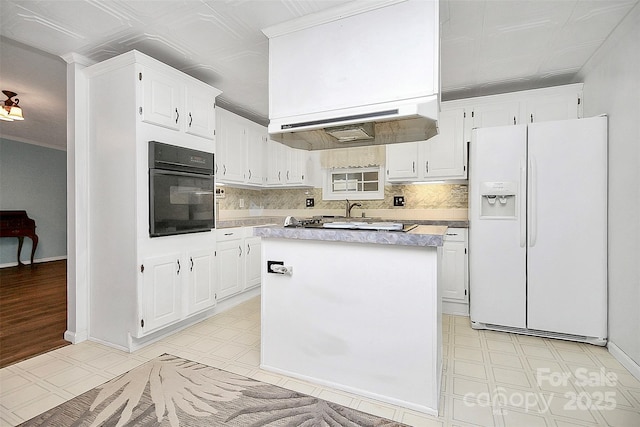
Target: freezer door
[
  {"x": 497, "y": 234},
  {"x": 567, "y": 229}
]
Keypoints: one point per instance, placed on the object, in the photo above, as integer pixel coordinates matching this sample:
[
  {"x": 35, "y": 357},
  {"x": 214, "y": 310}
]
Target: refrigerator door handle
[
  {"x": 523, "y": 202},
  {"x": 533, "y": 201}
]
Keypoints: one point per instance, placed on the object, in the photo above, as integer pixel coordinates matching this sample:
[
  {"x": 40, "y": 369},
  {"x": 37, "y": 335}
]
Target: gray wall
[
  {"x": 612, "y": 87},
  {"x": 34, "y": 178}
]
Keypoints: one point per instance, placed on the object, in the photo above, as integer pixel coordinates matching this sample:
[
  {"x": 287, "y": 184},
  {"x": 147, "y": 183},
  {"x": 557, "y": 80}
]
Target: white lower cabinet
[
  {"x": 455, "y": 276},
  {"x": 161, "y": 292},
  {"x": 230, "y": 262},
  {"x": 202, "y": 280},
  {"x": 252, "y": 260},
  {"x": 175, "y": 286},
  {"x": 238, "y": 259}
]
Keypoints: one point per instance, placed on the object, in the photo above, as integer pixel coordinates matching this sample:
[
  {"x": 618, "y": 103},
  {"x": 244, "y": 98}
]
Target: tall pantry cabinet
[{"x": 139, "y": 285}]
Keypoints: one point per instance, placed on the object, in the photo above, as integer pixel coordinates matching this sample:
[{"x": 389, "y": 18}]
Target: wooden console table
[{"x": 18, "y": 224}]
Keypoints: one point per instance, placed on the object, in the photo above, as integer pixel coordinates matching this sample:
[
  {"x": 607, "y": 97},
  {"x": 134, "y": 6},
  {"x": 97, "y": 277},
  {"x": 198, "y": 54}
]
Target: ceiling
[{"x": 487, "y": 46}]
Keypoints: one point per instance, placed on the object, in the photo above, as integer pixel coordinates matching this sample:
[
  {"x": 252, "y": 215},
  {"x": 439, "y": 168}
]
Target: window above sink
[{"x": 365, "y": 183}]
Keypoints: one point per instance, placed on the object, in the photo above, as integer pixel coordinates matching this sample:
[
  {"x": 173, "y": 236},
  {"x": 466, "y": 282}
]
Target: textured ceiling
[{"x": 488, "y": 46}]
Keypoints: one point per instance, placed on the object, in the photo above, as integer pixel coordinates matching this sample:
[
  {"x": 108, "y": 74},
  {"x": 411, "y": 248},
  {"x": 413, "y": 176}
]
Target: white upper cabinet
[
  {"x": 489, "y": 114},
  {"x": 200, "y": 112},
  {"x": 546, "y": 107},
  {"x": 441, "y": 157},
  {"x": 176, "y": 101},
  {"x": 356, "y": 55},
  {"x": 286, "y": 166},
  {"x": 296, "y": 166},
  {"x": 537, "y": 105},
  {"x": 402, "y": 161},
  {"x": 255, "y": 155},
  {"x": 231, "y": 147},
  {"x": 445, "y": 153},
  {"x": 161, "y": 98}
]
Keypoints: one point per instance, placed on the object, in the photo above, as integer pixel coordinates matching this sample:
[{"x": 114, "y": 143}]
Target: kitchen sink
[
  {"x": 344, "y": 223},
  {"x": 361, "y": 225}
]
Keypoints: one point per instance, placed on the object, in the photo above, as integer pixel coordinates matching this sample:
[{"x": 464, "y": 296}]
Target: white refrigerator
[{"x": 538, "y": 229}]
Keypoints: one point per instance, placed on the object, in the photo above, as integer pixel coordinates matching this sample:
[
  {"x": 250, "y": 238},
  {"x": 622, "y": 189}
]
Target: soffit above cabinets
[{"x": 487, "y": 46}]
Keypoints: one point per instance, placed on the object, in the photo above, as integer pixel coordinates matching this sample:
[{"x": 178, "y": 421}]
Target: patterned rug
[{"x": 170, "y": 391}]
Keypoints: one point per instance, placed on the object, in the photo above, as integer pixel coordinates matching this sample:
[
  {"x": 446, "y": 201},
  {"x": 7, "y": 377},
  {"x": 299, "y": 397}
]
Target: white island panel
[{"x": 365, "y": 318}]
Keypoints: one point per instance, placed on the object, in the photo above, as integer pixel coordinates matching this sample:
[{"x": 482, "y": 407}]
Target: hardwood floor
[{"x": 33, "y": 310}]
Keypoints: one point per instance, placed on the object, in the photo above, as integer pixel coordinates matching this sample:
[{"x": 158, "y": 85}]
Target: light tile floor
[{"x": 490, "y": 378}]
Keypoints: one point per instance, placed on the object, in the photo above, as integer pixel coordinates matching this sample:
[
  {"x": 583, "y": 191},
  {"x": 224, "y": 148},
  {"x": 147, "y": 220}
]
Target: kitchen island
[{"x": 355, "y": 310}]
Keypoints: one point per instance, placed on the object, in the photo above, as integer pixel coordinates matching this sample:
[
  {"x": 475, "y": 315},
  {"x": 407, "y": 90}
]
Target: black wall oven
[{"x": 181, "y": 190}]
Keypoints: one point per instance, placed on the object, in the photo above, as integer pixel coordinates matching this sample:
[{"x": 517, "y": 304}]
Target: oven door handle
[{"x": 190, "y": 174}]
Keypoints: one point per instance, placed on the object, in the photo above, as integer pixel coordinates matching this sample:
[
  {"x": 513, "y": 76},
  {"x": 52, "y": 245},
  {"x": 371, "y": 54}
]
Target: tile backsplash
[{"x": 426, "y": 196}]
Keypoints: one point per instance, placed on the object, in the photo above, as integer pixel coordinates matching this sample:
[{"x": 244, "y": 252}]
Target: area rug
[{"x": 175, "y": 392}]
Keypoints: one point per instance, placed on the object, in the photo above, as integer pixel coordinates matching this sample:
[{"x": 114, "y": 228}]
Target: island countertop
[{"x": 422, "y": 235}]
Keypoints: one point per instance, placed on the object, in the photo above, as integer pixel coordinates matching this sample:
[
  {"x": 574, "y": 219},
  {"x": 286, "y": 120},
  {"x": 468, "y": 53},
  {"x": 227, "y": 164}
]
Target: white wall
[
  {"x": 612, "y": 86},
  {"x": 33, "y": 179}
]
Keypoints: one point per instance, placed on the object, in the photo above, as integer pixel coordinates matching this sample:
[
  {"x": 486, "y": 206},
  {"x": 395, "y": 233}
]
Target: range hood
[
  {"x": 389, "y": 123},
  {"x": 363, "y": 73}
]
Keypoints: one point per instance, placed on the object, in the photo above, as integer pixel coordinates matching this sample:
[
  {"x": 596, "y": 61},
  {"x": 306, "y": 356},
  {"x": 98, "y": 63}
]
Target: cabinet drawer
[
  {"x": 456, "y": 235},
  {"x": 226, "y": 234}
]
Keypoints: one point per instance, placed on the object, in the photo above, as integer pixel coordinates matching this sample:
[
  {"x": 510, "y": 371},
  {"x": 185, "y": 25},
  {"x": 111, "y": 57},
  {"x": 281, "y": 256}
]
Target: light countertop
[{"x": 422, "y": 235}]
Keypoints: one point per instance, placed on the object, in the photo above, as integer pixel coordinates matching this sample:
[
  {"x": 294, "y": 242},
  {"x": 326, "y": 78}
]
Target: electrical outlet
[
  {"x": 310, "y": 202},
  {"x": 398, "y": 200}
]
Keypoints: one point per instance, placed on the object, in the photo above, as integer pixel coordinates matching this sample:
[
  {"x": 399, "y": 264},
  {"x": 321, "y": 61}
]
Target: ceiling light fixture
[{"x": 10, "y": 111}]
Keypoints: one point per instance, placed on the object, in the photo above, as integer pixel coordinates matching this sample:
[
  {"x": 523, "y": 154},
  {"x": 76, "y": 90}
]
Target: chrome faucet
[{"x": 348, "y": 207}]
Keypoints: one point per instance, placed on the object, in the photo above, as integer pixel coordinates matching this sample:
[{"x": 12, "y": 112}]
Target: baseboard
[
  {"x": 35, "y": 261},
  {"x": 455, "y": 308},
  {"x": 624, "y": 360},
  {"x": 75, "y": 337}
]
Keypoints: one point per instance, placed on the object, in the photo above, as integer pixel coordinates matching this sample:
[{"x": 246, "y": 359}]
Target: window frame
[{"x": 329, "y": 194}]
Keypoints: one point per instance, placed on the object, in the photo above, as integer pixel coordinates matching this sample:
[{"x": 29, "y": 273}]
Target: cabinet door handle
[
  {"x": 248, "y": 249},
  {"x": 191, "y": 259},
  {"x": 249, "y": 173},
  {"x": 239, "y": 250},
  {"x": 190, "y": 119},
  {"x": 531, "y": 117},
  {"x": 224, "y": 169},
  {"x": 514, "y": 120},
  {"x": 427, "y": 166},
  {"x": 228, "y": 234},
  {"x": 178, "y": 272},
  {"x": 287, "y": 175},
  {"x": 177, "y": 116},
  {"x": 413, "y": 166},
  {"x": 278, "y": 175}
]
